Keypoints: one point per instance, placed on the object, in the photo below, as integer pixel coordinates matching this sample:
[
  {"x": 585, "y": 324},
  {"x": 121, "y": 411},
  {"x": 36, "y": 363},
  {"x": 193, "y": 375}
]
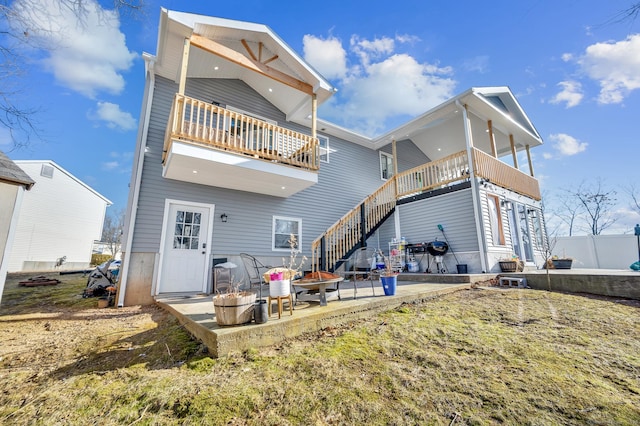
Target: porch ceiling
[
  {"x": 191, "y": 163},
  {"x": 440, "y": 131},
  {"x": 240, "y": 37}
]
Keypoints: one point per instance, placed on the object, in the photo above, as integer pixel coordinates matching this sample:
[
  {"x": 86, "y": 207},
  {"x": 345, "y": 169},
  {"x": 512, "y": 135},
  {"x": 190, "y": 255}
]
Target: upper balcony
[
  {"x": 456, "y": 168},
  {"x": 211, "y": 145}
]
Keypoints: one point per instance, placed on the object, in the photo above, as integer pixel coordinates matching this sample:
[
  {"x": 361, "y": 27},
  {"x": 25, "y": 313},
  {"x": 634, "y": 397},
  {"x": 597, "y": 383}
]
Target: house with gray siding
[{"x": 231, "y": 158}]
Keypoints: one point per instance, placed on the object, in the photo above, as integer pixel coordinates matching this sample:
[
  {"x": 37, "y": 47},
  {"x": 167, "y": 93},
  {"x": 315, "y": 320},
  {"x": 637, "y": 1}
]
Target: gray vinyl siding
[
  {"x": 352, "y": 174},
  {"x": 454, "y": 211},
  {"x": 409, "y": 155}
]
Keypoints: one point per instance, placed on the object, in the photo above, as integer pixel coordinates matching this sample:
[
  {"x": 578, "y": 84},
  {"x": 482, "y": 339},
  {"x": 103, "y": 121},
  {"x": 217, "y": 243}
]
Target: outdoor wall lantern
[{"x": 223, "y": 217}]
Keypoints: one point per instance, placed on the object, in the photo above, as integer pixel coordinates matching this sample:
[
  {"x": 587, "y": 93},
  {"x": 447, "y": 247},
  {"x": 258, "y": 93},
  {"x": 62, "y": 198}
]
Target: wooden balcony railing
[
  {"x": 504, "y": 175},
  {"x": 435, "y": 174},
  {"x": 203, "y": 123}
]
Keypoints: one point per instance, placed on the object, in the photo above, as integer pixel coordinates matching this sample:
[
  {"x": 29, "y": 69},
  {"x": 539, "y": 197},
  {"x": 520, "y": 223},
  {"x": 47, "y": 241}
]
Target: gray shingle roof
[{"x": 10, "y": 172}]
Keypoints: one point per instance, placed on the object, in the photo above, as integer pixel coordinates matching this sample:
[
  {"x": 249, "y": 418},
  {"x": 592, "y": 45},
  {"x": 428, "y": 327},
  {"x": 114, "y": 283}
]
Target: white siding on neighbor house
[
  {"x": 351, "y": 174},
  {"x": 59, "y": 216}
]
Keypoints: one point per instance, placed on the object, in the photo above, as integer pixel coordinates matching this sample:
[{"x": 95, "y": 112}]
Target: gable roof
[
  {"x": 247, "y": 51},
  {"x": 72, "y": 177},
  {"x": 10, "y": 172}
]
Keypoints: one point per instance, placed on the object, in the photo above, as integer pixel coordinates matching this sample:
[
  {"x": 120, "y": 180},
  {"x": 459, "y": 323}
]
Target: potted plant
[
  {"x": 234, "y": 306},
  {"x": 561, "y": 262},
  {"x": 511, "y": 264},
  {"x": 388, "y": 276}
]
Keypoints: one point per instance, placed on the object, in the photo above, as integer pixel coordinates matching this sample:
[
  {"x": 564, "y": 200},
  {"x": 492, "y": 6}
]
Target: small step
[{"x": 513, "y": 282}]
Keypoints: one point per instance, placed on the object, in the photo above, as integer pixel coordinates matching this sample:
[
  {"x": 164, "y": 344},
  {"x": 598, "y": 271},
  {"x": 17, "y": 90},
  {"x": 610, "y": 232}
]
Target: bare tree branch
[
  {"x": 597, "y": 203},
  {"x": 22, "y": 24}
]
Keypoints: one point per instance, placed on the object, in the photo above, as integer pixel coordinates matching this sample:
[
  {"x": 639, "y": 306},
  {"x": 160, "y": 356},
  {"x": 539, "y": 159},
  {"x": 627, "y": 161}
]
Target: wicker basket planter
[
  {"x": 234, "y": 308},
  {"x": 508, "y": 265}
]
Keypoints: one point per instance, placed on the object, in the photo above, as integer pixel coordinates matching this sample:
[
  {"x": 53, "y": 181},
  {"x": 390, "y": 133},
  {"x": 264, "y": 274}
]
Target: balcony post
[
  {"x": 185, "y": 66},
  {"x": 492, "y": 139},
  {"x": 530, "y": 161},
  {"x": 314, "y": 114},
  {"x": 513, "y": 152}
]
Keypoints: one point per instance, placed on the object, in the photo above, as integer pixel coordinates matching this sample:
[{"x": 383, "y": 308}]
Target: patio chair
[
  {"x": 360, "y": 268},
  {"x": 255, "y": 269}
]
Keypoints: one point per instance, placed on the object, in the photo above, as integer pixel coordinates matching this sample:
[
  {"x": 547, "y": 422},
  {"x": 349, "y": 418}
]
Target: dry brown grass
[{"x": 482, "y": 356}]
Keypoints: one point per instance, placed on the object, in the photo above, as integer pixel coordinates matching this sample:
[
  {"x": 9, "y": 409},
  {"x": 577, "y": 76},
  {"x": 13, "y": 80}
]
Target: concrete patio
[{"x": 196, "y": 312}]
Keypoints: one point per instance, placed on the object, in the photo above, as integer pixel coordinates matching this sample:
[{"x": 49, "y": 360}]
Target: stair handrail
[{"x": 353, "y": 228}]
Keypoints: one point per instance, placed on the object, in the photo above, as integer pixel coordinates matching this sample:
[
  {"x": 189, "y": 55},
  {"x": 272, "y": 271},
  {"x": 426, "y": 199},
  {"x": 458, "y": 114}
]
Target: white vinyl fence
[{"x": 598, "y": 251}]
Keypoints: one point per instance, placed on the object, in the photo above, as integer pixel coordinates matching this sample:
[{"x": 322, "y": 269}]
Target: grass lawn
[{"x": 480, "y": 356}]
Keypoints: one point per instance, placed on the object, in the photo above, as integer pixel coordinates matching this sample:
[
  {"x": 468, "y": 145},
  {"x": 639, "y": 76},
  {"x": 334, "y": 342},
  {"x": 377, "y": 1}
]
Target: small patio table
[{"x": 321, "y": 285}]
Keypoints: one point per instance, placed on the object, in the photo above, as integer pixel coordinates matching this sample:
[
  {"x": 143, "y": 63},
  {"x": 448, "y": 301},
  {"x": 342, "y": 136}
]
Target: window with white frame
[
  {"x": 324, "y": 148},
  {"x": 495, "y": 216},
  {"x": 537, "y": 227},
  {"x": 283, "y": 228},
  {"x": 386, "y": 165}
]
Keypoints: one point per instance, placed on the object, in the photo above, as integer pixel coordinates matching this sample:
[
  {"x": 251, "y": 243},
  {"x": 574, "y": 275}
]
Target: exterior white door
[{"x": 183, "y": 266}]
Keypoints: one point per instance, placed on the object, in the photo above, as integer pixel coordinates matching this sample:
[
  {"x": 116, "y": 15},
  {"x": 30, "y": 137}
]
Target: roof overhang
[
  {"x": 486, "y": 103},
  {"x": 253, "y": 53}
]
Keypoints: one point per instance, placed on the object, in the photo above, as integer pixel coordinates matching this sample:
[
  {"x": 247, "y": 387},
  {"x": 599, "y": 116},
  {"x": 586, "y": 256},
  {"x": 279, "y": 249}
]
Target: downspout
[
  {"x": 136, "y": 175},
  {"x": 475, "y": 191}
]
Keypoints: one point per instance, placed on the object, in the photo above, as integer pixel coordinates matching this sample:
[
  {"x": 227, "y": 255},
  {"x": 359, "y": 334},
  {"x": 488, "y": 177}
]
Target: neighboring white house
[
  {"x": 59, "y": 220},
  {"x": 13, "y": 183}
]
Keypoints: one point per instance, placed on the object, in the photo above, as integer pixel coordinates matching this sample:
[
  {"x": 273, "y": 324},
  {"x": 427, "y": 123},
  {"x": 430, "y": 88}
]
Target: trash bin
[{"x": 462, "y": 268}]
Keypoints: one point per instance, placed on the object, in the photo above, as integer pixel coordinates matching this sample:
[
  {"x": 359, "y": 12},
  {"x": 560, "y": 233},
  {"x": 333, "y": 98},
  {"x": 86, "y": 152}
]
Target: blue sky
[{"x": 574, "y": 69}]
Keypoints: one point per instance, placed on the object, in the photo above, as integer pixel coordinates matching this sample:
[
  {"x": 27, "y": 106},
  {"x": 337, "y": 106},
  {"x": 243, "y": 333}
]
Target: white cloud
[
  {"x": 567, "y": 145},
  {"x": 571, "y": 94},
  {"x": 377, "y": 84},
  {"x": 478, "y": 64},
  {"x": 87, "y": 55},
  {"x": 110, "y": 165},
  {"x": 113, "y": 117},
  {"x": 326, "y": 55},
  {"x": 120, "y": 163},
  {"x": 615, "y": 65}
]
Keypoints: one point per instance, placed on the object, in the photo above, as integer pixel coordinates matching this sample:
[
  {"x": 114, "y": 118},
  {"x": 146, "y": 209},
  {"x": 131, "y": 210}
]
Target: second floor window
[
  {"x": 324, "y": 148},
  {"x": 386, "y": 166}
]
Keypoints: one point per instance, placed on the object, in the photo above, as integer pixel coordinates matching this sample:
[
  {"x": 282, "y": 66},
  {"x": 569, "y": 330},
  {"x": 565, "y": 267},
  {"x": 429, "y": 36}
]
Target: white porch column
[{"x": 475, "y": 191}]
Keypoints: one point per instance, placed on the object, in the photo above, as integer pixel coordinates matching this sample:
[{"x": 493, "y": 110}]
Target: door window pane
[{"x": 186, "y": 231}]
